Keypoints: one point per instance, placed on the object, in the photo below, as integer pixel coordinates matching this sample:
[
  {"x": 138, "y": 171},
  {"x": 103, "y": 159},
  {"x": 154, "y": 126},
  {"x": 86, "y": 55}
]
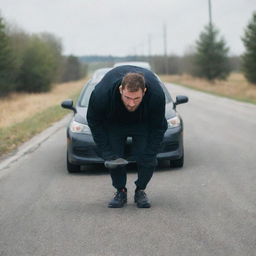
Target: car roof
[{"x": 141, "y": 64}]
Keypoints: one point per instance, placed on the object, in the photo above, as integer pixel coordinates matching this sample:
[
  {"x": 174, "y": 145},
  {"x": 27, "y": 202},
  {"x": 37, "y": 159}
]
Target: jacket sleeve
[
  {"x": 157, "y": 126},
  {"x": 95, "y": 118}
]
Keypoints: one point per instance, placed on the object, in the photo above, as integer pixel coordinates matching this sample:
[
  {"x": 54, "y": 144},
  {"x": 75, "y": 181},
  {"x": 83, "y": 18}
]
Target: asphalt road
[{"x": 206, "y": 208}]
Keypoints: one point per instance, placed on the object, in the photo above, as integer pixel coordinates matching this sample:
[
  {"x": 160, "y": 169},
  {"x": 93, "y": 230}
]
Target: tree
[
  {"x": 38, "y": 68},
  {"x": 249, "y": 57},
  {"x": 18, "y": 40},
  {"x": 211, "y": 56},
  {"x": 7, "y": 63},
  {"x": 55, "y": 46},
  {"x": 72, "y": 69}
]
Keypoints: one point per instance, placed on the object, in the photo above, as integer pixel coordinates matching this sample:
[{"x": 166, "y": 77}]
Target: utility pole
[
  {"x": 135, "y": 52},
  {"x": 149, "y": 48},
  {"x": 165, "y": 50},
  {"x": 210, "y": 12},
  {"x": 149, "y": 45}
]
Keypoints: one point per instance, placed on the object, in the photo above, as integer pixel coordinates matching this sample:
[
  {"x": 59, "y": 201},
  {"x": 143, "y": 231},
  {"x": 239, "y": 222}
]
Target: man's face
[{"x": 131, "y": 100}]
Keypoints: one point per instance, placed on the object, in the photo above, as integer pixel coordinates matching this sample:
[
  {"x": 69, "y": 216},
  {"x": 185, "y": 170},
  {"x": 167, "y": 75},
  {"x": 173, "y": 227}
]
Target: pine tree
[
  {"x": 7, "y": 63},
  {"x": 211, "y": 58},
  {"x": 249, "y": 57}
]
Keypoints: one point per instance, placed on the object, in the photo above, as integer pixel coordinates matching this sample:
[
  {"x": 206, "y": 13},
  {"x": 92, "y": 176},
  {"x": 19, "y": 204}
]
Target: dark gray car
[{"x": 82, "y": 150}]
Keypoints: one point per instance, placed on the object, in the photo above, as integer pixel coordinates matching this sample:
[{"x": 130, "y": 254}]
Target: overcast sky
[{"x": 123, "y": 27}]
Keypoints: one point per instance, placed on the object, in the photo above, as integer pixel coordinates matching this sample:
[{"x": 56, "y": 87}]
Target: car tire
[
  {"x": 178, "y": 163},
  {"x": 72, "y": 168}
]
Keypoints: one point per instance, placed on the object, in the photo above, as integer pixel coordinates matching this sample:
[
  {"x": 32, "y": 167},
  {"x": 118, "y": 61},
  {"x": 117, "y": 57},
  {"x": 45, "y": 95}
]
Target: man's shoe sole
[{"x": 112, "y": 164}]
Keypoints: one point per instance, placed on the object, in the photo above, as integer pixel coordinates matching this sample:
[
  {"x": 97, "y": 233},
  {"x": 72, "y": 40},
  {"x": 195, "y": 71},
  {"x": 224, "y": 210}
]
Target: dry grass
[
  {"x": 235, "y": 86},
  {"x": 19, "y": 106}
]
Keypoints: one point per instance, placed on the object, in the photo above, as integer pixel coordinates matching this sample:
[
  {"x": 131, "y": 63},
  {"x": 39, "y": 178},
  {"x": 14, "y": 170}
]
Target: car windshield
[
  {"x": 142, "y": 64},
  {"x": 99, "y": 74}
]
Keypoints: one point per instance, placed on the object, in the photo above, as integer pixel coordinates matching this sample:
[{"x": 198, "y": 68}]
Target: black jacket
[{"x": 104, "y": 108}]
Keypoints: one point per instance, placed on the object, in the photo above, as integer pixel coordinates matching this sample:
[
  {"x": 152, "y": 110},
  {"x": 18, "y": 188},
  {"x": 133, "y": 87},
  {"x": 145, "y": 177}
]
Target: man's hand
[{"x": 112, "y": 164}]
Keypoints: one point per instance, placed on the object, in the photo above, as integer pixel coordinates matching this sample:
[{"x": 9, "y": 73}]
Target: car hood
[{"x": 80, "y": 116}]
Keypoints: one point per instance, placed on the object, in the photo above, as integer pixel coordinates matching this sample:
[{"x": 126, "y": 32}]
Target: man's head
[{"x": 132, "y": 90}]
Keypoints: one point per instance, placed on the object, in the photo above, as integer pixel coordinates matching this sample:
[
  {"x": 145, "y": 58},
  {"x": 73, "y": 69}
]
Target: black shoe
[
  {"x": 141, "y": 199},
  {"x": 119, "y": 200}
]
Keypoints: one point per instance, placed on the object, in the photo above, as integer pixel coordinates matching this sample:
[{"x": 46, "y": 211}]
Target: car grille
[
  {"x": 84, "y": 152},
  {"x": 128, "y": 152}
]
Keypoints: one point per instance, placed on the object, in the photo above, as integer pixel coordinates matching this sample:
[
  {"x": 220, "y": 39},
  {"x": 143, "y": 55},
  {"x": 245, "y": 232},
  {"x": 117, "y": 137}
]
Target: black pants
[{"x": 146, "y": 164}]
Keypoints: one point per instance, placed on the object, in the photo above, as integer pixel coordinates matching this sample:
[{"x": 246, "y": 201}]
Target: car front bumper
[{"x": 82, "y": 149}]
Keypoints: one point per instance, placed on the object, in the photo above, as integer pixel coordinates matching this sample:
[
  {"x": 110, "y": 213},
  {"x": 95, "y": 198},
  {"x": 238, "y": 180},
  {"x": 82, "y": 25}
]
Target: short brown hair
[{"x": 133, "y": 82}]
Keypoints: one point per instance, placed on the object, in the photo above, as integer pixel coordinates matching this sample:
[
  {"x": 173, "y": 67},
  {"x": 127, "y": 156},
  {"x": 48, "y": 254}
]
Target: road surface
[{"x": 206, "y": 208}]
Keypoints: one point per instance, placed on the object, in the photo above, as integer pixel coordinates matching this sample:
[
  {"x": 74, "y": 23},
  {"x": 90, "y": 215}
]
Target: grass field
[
  {"x": 19, "y": 106},
  {"x": 235, "y": 87},
  {"x": 24, "y": 115}
]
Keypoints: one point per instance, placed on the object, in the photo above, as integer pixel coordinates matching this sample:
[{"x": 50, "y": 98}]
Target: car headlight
[
  {"x": 173, "y": 122},
  {"x": 79, "y": 128}
]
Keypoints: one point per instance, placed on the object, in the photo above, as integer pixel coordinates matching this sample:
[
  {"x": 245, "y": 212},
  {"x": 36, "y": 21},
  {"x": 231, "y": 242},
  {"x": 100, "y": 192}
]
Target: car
[
  {"x": 82, "y": 150},
  {"x": 141, "y": 64}
]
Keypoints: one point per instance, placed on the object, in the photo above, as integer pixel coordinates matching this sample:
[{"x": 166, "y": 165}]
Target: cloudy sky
[{"x": 122, "y": 27}]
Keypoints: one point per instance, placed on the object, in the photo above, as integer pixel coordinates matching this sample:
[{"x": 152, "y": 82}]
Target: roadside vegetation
[
  {"x": 24, "y": 115},
  {"x": 34, "y": 78},
  {"x": 234, "y": 87}
]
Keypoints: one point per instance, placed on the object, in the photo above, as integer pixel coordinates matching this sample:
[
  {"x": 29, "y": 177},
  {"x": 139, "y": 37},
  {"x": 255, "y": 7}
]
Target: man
[{"x": 128, "y": 102}]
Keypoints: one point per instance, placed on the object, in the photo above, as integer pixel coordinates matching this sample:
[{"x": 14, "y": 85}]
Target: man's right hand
[{"x": 112, "y": 164}]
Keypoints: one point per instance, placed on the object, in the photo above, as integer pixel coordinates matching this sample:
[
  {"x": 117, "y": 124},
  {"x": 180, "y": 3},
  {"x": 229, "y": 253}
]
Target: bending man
[{"x": 128, "y": 102}]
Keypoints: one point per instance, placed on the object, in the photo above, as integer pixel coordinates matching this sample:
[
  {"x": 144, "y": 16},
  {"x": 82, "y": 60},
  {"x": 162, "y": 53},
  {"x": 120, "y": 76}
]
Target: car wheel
[
  {"x": 72, "y": 167},
  {"x": 177, "y": 163}
]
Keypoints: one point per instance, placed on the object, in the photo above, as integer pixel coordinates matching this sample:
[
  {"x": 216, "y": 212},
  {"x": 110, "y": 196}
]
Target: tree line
[
  {"x": 33, "y": 63},
  {"x": 186, "y": 64},
  {"x": 210, "y": 58}
]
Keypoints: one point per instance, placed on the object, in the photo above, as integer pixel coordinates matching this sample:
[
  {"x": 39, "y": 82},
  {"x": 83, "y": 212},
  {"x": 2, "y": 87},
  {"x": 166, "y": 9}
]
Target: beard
[{"x": 131, "y": 109}]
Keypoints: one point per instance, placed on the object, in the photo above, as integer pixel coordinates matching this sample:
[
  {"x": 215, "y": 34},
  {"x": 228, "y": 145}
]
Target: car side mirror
[
  {"x": 180, "y": 99},
  {"x": 68, "y": 104}
]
